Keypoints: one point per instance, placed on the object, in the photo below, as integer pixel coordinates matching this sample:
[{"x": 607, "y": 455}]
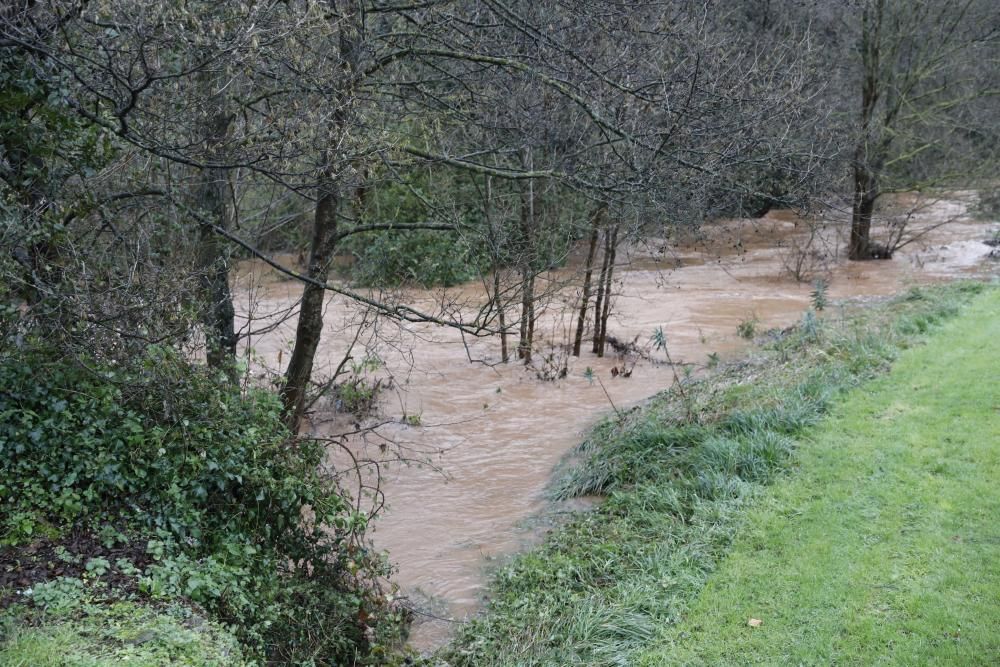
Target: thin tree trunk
[
  {"x": 496, "y": 243},
  {"x": 324, "y": 238},
  {"x": 531, "y": 319},
  {"x": 611, "y": 250},
  {"x": 526, "y": 329},
  {"x": 218, "y": 314},
  {"x": 501, "y": 315},
  {"x": 865, "y": 174},
  {"x": 595, "y": 225},
  {"x": 599, "y": 303},
  {"x": 527, "y": 325},
  {"x": 309, "y": 329}
]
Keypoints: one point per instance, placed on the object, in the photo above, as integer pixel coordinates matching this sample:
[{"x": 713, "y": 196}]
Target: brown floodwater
[{"x": 484, "y": 437}]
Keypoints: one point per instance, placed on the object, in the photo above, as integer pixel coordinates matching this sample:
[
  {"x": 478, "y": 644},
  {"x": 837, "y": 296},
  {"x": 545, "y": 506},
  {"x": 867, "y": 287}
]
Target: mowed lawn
[{"x": 883, "y": 546}]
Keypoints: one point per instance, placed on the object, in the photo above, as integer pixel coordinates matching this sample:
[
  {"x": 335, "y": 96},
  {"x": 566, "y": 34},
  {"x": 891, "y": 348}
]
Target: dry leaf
[{"x": 755, "y": 622}]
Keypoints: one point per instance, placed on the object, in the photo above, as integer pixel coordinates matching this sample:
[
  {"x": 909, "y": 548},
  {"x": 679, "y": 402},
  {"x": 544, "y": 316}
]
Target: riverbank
[
  {"x": 683, "y": 477},
  {"x": 486, "y": 435},
  {"x": 895, "y": 560}
]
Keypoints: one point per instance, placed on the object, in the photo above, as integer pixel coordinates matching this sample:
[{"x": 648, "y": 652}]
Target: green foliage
[
  {"x": 659, "y": 339},
  {"x": 819, "y": 294},
  {"x": 358, "y": 394},
  {"x": 391, "y": 258},
  {"x": 43, "y": 137},
  {"x": 747, "y": 328},
  {"x": 208, "y": 480},
  {"x": 44, "y": 143},
  {"x": 418, "y": 257},
  {"x": 810, "y": 324},
  {"x": 72, "y": 625}
]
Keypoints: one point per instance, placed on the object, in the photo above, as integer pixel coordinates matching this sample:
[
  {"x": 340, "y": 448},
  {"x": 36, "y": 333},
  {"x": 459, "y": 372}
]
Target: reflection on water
[{"x": 492, "y": 433}]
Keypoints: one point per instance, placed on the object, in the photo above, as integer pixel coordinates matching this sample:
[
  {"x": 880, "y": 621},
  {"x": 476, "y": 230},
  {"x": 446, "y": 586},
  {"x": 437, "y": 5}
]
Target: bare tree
[
  {"x": 562, "y": 107},
  {"x": 920, "y": 71}
]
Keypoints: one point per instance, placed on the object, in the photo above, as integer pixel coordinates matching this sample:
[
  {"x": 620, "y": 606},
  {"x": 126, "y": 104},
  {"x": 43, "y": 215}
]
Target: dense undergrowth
[
  {"x": 678, "y": 476},
  {"x": 162, "y": 485}
]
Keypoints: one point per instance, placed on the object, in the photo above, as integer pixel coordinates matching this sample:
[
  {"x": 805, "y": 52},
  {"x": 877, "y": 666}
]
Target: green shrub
[
  {"x": 418, "y": 257},
  {"x": 426, "y": 258},
  {"x": 747, "y": 327},
  {"x": 233, "y": 514}
]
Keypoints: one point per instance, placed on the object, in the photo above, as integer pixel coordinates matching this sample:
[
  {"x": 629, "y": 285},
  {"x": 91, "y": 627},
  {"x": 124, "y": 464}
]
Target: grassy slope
[
  {"x": 681, "y": 477},
  {"x": 120, "y": 633},
  {"x": 884, "y": 548}
]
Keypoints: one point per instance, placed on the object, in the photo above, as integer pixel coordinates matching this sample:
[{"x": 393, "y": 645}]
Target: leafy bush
[
  {"x": 233, "y": 513},
  {"x": 747, "y": 327},
  {"x": 418, "y": 257},
  {"x": 413, "y": 257}
]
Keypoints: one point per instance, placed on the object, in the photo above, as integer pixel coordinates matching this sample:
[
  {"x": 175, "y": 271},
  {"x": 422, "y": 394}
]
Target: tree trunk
[
  {"x": 218, "y": 313},
  {"x": 531, "y": 320},
  {"x": 310, "y": 325},
  {"x": 611, "y": 250},
  {"x": 599, "y": 303},
  {"x": 595, "y": 225},
  {"x": 527, "y": 261},
  {"x": 527, "y": 327},
  {"x": 865, "y": 194},
  {"x": 865, "y": 159},
  {"x": 501, "y": 315},
  {"x": 496, "y": 245},
  {"x": 309, "y": 329}
]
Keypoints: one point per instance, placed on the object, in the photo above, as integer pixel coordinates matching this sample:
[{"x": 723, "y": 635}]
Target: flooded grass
[{"x": 608, "y": 585}]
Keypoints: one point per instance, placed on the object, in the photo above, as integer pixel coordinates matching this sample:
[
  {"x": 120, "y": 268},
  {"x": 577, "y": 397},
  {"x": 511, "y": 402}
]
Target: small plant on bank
[
  {"x": 659, "y": 341},
  {"x": 358, "y": 395},
  {"x": 747, "y": 328},
  {"x": 819, "y": 294},
  {"x": 810, "y": 325}
]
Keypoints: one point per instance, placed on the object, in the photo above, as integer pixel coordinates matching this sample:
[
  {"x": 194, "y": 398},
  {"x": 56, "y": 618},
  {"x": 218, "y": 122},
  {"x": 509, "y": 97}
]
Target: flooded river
[{"x": 489, "y": 434}]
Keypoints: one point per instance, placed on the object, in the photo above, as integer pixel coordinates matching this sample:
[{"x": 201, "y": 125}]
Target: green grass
[
  {"x": 120, "y": 633},
  {"x": 884, "y": 547},
  {"x": 680, "y": 478}
]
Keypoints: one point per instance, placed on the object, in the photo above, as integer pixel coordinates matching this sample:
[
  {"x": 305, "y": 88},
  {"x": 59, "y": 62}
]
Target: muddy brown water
[{"x": 484, "y": 437}]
